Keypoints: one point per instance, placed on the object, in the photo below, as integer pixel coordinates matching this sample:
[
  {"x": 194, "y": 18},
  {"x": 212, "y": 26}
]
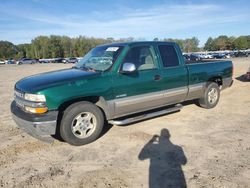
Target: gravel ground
[{"x": 194, "y": 147}]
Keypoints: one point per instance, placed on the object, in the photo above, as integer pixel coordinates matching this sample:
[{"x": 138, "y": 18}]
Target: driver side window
[{"x": 142, "y": 57}]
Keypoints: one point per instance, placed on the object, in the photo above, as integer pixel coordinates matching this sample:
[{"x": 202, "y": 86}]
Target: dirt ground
[{"x": 194, "y": 147}]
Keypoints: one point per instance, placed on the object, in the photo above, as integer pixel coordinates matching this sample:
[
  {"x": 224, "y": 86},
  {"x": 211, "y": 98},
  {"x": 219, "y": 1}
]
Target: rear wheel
[
  {"x": 81, "y": 123},
  {"x": 211, "y": 96}
]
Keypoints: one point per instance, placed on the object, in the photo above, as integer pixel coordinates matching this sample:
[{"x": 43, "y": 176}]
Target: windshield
[{"x": 100, "y": 58}]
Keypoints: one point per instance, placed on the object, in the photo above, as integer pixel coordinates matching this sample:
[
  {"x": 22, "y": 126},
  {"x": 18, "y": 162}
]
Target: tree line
[
  {"x": 62, "y": 46},
  {"x": 186, "y": 45},
  {"x": 224, "y": 42}
]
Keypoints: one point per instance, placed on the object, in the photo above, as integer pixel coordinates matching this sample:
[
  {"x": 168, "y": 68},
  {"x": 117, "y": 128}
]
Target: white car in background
[
  {"x": 2, "y": 62},
  {"x": 70, "y": 60},
  {"x": 26, "y": 61},
  {"x": 205, "y": 56},
  {"x": 227, "y": 56},
  {"x": 208, "y": 56}
]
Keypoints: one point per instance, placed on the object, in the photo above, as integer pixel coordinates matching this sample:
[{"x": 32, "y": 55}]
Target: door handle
[{"x": 157, "y": 77}]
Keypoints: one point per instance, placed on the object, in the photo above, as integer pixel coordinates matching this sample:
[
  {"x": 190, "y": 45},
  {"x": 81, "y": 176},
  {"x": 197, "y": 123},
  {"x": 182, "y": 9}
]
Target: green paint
[{"x": 60, "y": 87}]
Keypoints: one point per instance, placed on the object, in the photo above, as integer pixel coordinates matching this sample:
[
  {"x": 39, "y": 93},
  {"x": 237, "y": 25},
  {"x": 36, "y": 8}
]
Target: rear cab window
[{"x": 168, "y": 55}]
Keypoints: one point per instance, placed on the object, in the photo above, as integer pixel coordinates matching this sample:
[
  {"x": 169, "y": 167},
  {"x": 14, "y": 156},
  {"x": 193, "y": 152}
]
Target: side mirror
[{"x": 128, "y": 68}]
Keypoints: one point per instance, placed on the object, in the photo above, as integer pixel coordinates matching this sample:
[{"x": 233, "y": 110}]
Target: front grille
[
  {"x": 19, "y": 103},
  {"x": 18, "y": 94},
  {"x": 22, "y": 103},
  {"x": 18, "y": 97}
]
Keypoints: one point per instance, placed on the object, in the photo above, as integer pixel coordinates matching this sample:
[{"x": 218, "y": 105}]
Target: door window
[{"x": 142, "y": 57}]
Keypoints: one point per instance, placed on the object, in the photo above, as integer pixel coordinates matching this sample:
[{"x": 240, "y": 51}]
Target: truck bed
[{"x": 202, "y": 71}]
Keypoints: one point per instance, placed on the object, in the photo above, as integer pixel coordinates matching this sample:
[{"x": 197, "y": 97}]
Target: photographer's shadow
[{"x": 166, "y": 160}]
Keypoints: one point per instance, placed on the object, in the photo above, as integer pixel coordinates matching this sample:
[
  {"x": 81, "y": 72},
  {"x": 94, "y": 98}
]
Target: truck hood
[{"x": 35, "y": 83}]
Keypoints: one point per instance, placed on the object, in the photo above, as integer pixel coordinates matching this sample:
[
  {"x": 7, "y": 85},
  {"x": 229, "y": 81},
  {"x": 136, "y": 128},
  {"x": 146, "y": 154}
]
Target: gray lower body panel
[
  {"x": 130, "y": 105},
  {"x": 134, "y": 104},
  {"x": 196, "y": 91},
  {"x": 227, "y": 82},
  {"x": 39, "y": 126},
  {"x": 39, "y": 130}
]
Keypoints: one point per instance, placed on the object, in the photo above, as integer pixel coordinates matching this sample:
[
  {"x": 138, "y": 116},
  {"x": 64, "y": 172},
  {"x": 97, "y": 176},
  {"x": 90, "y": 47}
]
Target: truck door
[
  {"x": 174, "y": 80},
  {"x": 140, "y": 90}
]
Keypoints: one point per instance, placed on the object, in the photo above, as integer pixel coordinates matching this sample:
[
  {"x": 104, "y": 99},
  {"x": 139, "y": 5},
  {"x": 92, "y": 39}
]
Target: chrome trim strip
[
  {"x": 138, "y": 98},
  {"x": 196, "y": 87},
  {"x": 175, "y": 91}
]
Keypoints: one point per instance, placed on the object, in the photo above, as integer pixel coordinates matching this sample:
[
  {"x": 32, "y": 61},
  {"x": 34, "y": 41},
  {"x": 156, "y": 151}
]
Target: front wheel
[
  {"x": 211, "y": 96},
  {"x": 81, "y": 123}
]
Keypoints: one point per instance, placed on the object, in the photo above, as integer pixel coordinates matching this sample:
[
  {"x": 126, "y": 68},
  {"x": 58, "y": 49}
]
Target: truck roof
[{"x": 137, "y": 42}]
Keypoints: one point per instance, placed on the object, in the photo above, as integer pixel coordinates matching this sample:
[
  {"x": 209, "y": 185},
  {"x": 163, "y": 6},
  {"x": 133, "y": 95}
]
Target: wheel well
[
  {"x": 92, "y": 99},
  {"x": 217, "y": 80},
  {"x": 97, "y": 100}
]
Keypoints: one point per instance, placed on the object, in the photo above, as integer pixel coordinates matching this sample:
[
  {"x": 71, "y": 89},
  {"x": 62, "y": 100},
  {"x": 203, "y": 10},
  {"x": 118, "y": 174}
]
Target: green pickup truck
[{"x": 117, "y": 83}]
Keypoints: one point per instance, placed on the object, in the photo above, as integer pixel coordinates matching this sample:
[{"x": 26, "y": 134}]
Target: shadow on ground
[
  {"x": 166, "y": 160},
  {"x": 242, "y": 78}
]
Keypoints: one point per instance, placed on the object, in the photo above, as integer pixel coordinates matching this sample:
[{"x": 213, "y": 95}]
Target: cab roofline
[{"x": 136, "y": 42}]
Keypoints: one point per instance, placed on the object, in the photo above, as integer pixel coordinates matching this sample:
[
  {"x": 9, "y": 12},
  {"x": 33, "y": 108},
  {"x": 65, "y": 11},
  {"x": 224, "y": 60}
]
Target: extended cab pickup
[{"x": 119, "y": 83}]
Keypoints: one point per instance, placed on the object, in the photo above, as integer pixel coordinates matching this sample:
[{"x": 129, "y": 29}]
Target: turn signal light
[{"x": 36, "y": 110}]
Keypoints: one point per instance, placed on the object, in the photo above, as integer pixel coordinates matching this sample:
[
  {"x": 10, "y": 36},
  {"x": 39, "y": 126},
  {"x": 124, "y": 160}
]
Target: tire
[
  {"x": 82, "y": 123},
  {"x": 211, "y": 96}
]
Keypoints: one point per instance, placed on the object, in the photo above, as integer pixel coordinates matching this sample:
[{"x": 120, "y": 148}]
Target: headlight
[{"x": 34, "y": 97}]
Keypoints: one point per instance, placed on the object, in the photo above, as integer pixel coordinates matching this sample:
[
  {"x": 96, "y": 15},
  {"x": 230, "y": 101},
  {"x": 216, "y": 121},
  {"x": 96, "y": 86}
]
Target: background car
[
  {"x": 2, "y": 62},
  {"x": 58, "y": 60},
  {"x": 219, "y": 55},
  {"x": 27, "y": 61},
  {"x": 44, "y": 60},
  {"x": 241, "y": 54},
  {"x": 9, "y": 62},
  {"x": 227, "y": 55},
  {"x": 195, "y": 57},
  {"x": 208, "y": 56},
  {"x": 71, "y": 60},
  {"x": 186, "y": 57}
]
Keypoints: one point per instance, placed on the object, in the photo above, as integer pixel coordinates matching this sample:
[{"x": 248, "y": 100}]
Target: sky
[{"x": 23, "y": 20}]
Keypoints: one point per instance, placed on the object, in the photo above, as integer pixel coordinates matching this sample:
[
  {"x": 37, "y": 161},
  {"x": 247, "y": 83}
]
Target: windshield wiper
[{"x": 87, "y": 68}]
